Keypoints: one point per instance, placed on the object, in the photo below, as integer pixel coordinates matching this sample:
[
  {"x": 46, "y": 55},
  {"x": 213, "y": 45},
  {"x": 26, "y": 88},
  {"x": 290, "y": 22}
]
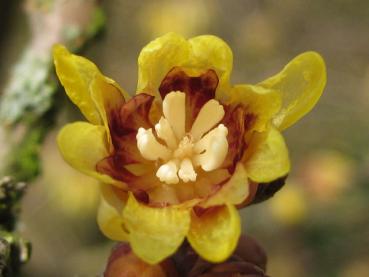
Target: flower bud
[
  {"x": 248, "y": 260},
  {"x": 124, "y": 263}
]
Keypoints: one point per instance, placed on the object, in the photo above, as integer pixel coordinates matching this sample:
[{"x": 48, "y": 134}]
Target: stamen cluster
[{"x": 203, "y": 146}]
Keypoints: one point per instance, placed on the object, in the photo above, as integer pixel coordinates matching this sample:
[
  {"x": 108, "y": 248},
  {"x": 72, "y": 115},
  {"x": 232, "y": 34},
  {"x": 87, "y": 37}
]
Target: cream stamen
[
  {"x": 184, "y": 149},
  {"x": 149, "y": 147},
  {"x": 202, "y": 144},
  {"x": 184, "y": 152},
  {"x": 210, "y": 114},
  {"x": 174, "y": 111},
  {"x": 168, "y": 173},
  {"x": 165, "y": 132},
  {"x": 215, "y": 145},
  {"x": 186, "y": 171}
]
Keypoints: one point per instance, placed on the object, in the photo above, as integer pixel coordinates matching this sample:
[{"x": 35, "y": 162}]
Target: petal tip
[{"x": 59, "y": 50}]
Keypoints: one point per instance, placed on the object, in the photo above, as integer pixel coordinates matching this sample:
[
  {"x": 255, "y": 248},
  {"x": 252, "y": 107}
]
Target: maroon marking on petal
[
  {"x": 114, "y": 167},
  {"x": 249, "y": 120},
  {"x": 127, "y": 150},
  {"x": 132, "y": 115},
  {"x": 199, "y": 90},
  {"x": 238, "y": 122},
  {"x": 124, "y": 123},
  {"x": 141, "y": 196},
  {"x": 199, "y": 211}
]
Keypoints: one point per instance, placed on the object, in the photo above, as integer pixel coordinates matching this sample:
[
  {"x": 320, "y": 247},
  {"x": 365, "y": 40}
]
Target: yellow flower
[{"x": 178, "y": 157}]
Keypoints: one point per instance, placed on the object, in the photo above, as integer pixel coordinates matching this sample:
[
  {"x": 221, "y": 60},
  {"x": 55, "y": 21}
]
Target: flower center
[
  {"x": 185, "y": 148},
  {"x": 203, "y": 146}
]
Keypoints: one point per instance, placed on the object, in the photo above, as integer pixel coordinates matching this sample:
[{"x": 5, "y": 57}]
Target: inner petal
[
  {"x": 149, "y": 147},
  {"x": 174, "y": 112},
  {"x": 186, "y": 171},
  {"x": 168, "y": 172},
  {"x": 210, "y": 114},
  {"x": 215, "y": 145}
]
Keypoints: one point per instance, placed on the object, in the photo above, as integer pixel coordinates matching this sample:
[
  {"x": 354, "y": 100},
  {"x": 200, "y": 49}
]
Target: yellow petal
[
  {"x": 211, "y": 52},
  {"x": 82, "y": 145},
  {"x": 262, "y": 102},
  {"x": 300, "y": 83},
  {"x": 76, "y": 74},
  {"x": 195, "y": 55},
  {"x": 158, "y": 58},
  {"x": 155, "y": 233},
  {"x": 214, "y": 235},
  {"x": 107, "y": 96},
  {"x": 235, "y": 191},
  {"x": 267, "y": 157},
  {"x": 109, "y": 217}
]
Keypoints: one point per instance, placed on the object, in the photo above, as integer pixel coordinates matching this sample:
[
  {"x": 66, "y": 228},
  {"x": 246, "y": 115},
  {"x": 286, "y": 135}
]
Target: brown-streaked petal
[
  {"x": 114, "y": 167},
  {"x": 108, "y": 98},
  {"x": 238, "y": 121},
  {"x": 213, "y": 53},
  {"x": 197, "y": 54},
  {"x": 123, "y": 124},
  {"x": 199, "y": 90},
  {"x": 262, "y": 103},
  {"x": 158, "y": 57},
  {"x": 132, "y": 115}
]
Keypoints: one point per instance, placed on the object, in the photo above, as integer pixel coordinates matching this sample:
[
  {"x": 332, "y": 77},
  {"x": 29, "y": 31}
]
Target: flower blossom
[{"x": 179, "y": 157}]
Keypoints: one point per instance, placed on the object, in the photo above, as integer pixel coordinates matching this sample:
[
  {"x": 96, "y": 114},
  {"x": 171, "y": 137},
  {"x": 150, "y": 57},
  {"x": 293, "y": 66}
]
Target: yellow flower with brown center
[{"x": 177, "y": 158}]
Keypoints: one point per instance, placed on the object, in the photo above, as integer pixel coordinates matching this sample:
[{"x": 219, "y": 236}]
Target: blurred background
[{"x": 317, "y": 225}]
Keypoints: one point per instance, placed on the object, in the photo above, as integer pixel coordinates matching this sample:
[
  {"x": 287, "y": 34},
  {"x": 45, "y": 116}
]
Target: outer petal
[
  {"x": 300, "y": 83},
  {"x": 214, "y": 234},
  {"x": 82, "y": 145},
  {"x": 235, "y": 191},
  {"x": 267, "y": 157},
  {"x": 211, "y": 52},
  {"x": 76, "y": 74},
  {"x": 155, "y": 233},
  {"x": 109, "y": 218},
  {"x": 158, "y": 58},
  {"x": 108, "y": 99},
  {"x": 196, "y": 55},
  {"x": 260, "y": 102}
]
